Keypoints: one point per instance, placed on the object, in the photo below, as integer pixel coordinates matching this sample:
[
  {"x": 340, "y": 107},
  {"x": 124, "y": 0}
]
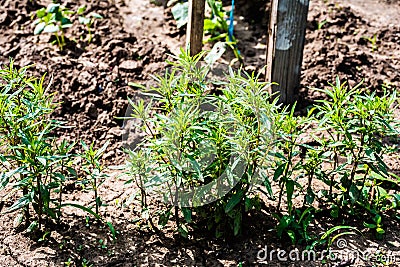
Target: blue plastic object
[{"x": 231, "y": 28}]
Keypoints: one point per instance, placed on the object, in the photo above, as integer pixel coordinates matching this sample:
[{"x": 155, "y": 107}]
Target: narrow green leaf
[
  {"x": 237, "y": 223},
  {"x": 112, "y": 229},
  {"x": 336, "y": 228},
  {"x": 279, "y": 171},
  {"x": 97, "y": 216},
  {"x": 183, "y": 231},
  {"x": 96, "y": 15},
  {"x": 369, "y": 225},
  {"x": 289, "y": 193},
  {"x": 32, "y": 227},
  {"x": 81, "y": 10},
  {"x": 22, "y": 202},
  {"x": 133, "y": 84},
  {"x": 292, "y": 236},
  {"x": 102, "y": 149},
  {"x": 187, "y": 214},
  {"x": 235, "y": 199}
]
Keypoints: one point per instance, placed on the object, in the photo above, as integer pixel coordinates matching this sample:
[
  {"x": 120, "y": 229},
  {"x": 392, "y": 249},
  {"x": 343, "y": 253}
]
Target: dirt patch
[
  {"x": 132, "y": 42},
  {"x": 349, "y": 44},
  {"x": 91, "y": 80}
]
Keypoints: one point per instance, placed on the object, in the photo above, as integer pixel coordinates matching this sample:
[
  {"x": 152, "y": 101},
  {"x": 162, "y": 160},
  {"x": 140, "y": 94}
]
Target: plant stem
[
  {"x": 288, "y": 163},
  {"x": 90, "y": 34},
  {"x": 95, "y": 194},
  {"x": 59, "y": 42}
]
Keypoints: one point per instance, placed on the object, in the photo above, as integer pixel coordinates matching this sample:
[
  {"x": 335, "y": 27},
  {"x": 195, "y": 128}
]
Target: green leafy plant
[
  {"x": 328, "y": 237},
  {"x": 357, "y": 129},
  {"x": 94, "y": 170},
  {"x": 56, "y": 19},
  {"x": 181, "y": 136},
  {"x": 341, "y": 142},
  {"x": 289, "y": 128},
  {"x": 87, "y": 20},
  {"x": 33, "y": 163},
  {"x": 352, "y": 132},
  {"x": 295, "y": 225},
  {"x": 53, "y": 19}
]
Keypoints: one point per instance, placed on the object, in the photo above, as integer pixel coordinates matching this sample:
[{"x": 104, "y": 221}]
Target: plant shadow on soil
[{"x": 91, "y": 81}]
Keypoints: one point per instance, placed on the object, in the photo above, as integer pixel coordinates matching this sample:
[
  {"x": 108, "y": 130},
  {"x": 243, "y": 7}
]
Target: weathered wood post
[
  {"x": 195, "y": 26},
  {"x": 286, "y": 35}
]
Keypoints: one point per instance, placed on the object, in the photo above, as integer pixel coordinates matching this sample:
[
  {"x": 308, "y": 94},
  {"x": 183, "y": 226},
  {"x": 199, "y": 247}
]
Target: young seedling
[
  {"x": 321, "y": 24},
  {"x": 53, "y": 19},
  {"x": 217, "y": 27},
  {"x": 372, "y": 40},
  {"x": 87, "y": 20},
  {"x": 93, "y": 168}
]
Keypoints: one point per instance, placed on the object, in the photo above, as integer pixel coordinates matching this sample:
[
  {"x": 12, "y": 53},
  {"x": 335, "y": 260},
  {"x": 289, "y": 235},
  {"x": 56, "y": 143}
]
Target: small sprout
[
  {"x": 372, "y": 40},
  {"x": 85, "y": 263},
  {"x": 45, "y": 236},
  {"x": 102, "y": 244},
  {"x": 69, "y": 262},
  {"x": 53, "y": 19},
  {"x": 87, "y": 221},
  {"x": 87, "y": 20},
  {"x": 321, "y": 24}
]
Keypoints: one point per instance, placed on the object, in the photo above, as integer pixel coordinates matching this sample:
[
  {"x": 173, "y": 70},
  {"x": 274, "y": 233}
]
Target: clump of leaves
[
  {"x": 352, "y": 133},
  {"x": 34, "y": 165},
  {"x": 359, "y": 130},
  {"x": 56, "y": 19},
  {"x": 53, "y": 19},
  {"x": 32, "y": 162},
  {"x": 295, "y": 225},
  {"x": 203, "y": 152},
  {"x": 93, "y": 169}
]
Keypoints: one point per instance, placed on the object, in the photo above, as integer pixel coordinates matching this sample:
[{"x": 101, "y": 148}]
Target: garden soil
[{"x": 131, "y": 43}]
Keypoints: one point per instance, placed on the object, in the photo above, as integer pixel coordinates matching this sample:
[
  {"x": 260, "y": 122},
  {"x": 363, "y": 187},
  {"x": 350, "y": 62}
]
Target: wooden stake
[
  {"x": 285, "y": 46},
  {"x": 195, "y": 26}
]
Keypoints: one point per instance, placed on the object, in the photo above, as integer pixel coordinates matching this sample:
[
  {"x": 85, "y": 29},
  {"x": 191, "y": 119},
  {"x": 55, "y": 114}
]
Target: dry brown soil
[{"x": 131, "y": 43}]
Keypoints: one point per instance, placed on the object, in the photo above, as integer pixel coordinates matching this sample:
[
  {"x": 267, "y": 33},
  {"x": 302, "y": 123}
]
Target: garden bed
[{"x": 131, "y": 43}]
